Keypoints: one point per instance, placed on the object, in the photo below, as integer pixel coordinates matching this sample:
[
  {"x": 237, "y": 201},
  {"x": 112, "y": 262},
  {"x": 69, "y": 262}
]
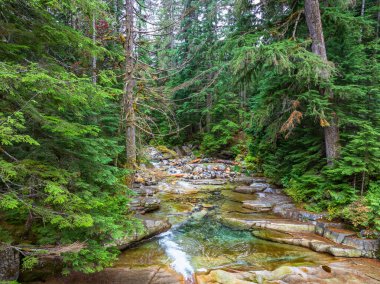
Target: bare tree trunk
[
  {"x": 378, "y": 21},
  {"x": 129, "y": 83},
  {"x": 363, "y": 184},
  {"x": 208, "y": 114},
  {"x": 243, "y": 100},
  {"x": 363, "y": 8},
  {"x": 314, "y": 23},
  {"x": 94, "y": 78}
]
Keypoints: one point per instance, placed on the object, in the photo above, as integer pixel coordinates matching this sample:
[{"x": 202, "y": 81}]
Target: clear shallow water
[{"x": 202, "y": 243}]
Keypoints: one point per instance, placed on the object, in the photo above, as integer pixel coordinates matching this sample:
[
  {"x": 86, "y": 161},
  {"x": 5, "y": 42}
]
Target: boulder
[
  {"x": 247, "y": 189},
  {"x": 151, "y": 227},
  {"x": 145, "y": 204},
  {"x": 244, "y": 180},
  {"x": 259, "y": 186}
]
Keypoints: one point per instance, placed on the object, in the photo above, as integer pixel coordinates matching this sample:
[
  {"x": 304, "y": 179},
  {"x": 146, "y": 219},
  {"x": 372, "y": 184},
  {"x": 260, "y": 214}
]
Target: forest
[{"x": 288, "y": 90}]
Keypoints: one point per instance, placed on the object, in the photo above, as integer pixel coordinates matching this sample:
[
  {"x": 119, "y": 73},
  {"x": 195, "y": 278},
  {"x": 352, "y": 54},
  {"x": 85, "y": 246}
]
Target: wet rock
[
  {"x": 209, "y": 182},
  {"x": 308, "y": 241},
  {"x": 369, "y": 247},
  {"x": 9, "y": 264},
  {"x": 154, "y": 154},
  {"x": 344, "y": 252},
  {"x": 151, "y": 227},
  {"x": 199, "y": 215},
  {"x": 247, "y": 189},
  {"x": 146, "y": 191},
  {"x": 337, "y": 235},
  {"x": 259, "y": 186},
  {"x": 174, "y": 170},
  {"x": 145, "y": 204},
  {"x": 245, "y": 180},
  {"x": 236, "y": 223},
  {"x": 198, "y": 170},
  {"x": 224, "y": 277},
  {"x": 284, "y": 226},
  {"x": 257, "y": 206},
  {"x": 146, "y": 275},
  {"x": 187, "y": 169}
]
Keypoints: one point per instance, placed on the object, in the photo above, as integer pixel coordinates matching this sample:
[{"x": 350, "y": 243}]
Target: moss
[{"x": 165, "y": 150}]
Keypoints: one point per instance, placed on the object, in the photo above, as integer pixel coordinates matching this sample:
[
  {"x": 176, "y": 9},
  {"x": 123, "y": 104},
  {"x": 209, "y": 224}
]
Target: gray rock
[
  {"x": 369, "y": 247},
  {"x": 208, "y": 182},
  {"x": 151, "y": 228},
  {"x": 259, "y": 186},
  {"x": 145, "y": 204},
  {"x": 243, "y": 180},
  {"x": 187, "y": 169},
  {"x": 337, "y": 235},
  {"x": 257, "y": 206},
  {"x": 247, "y": 189},
  {"x": 198, "y": 170}
]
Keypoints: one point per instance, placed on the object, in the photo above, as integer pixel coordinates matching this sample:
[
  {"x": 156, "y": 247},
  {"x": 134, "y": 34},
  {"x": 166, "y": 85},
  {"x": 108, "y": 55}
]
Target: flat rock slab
[
  {"x": 337, "y": 235},
  {"x": 257, "y": 206},
  {"x": 259, "y": 186},
  {"x": 151, "y": 227},
  {"x": 339, "y": 272},
  {"x": 150, "y": 275},
  {"x": 307, "y": 240},
  {"x": 255, "y": 221},
  {"x": 208, "y": 181},
  {"x": 247, "y": 189},
  {"x": 284, "y": 226}
]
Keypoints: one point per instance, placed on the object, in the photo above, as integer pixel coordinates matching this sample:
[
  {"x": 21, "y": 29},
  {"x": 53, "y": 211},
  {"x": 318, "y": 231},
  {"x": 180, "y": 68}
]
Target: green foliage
[
  {"x": 28, "y": 262},
  {"x": 269, "y": 85},
  {"x": 220, "y": 137},
  {"x": 59, "y": 176},
  {"x": 373, "y": 201}
]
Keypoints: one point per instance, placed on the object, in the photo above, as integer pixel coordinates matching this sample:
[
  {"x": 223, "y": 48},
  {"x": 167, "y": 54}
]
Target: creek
[{"x": 199, "y": 242}]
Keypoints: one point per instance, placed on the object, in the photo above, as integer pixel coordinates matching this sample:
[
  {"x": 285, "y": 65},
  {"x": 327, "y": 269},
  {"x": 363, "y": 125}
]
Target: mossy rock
[
  {"x": 167, "y": 153},
  {"x": 270, "y": 234}
]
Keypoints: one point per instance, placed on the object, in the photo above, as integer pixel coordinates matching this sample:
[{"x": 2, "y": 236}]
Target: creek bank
[
  {"x": 339, "y": 272},
  {"x": 299, "y": 227}
]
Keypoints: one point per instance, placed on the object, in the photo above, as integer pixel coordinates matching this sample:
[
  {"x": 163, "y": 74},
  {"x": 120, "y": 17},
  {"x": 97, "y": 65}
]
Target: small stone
[{"x": 326, "y": 268}]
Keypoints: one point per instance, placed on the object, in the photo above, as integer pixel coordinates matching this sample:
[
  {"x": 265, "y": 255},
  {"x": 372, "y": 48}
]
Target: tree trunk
[
  {"x": 94, "y": 56},
  {"x": 243, "y": 101},
  {"x": 378, "y": 21},
  {"x": 208, "y": 114},
  {"x": 129, "y": 83},
  {"x": 363, "y": 184},
  {"x": 314, "y": 23},
  {"x": 363, "y": 8}
]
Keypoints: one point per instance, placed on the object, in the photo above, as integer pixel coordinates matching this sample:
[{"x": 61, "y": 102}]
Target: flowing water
[{"x": 198, "y": 242}]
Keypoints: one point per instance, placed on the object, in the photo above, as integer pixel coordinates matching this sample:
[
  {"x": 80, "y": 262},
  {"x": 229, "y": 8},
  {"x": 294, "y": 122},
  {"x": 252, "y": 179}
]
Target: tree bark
[
  {"x": 378, "y": 21},
  {"x": 129, "y": 83},
  {"x": 314, "y": 23},
  {"x": 363, "y": 8},
  {"x": 208, "y": 114},
  {"x": 94, "y": 76}
]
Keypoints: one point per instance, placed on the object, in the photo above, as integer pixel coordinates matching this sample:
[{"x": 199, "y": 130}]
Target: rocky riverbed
[{"x": 206, "y": 223}]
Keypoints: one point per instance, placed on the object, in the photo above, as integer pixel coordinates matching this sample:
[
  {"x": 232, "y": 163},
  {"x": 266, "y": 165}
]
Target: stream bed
[{"x": 199, "y": 242}]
